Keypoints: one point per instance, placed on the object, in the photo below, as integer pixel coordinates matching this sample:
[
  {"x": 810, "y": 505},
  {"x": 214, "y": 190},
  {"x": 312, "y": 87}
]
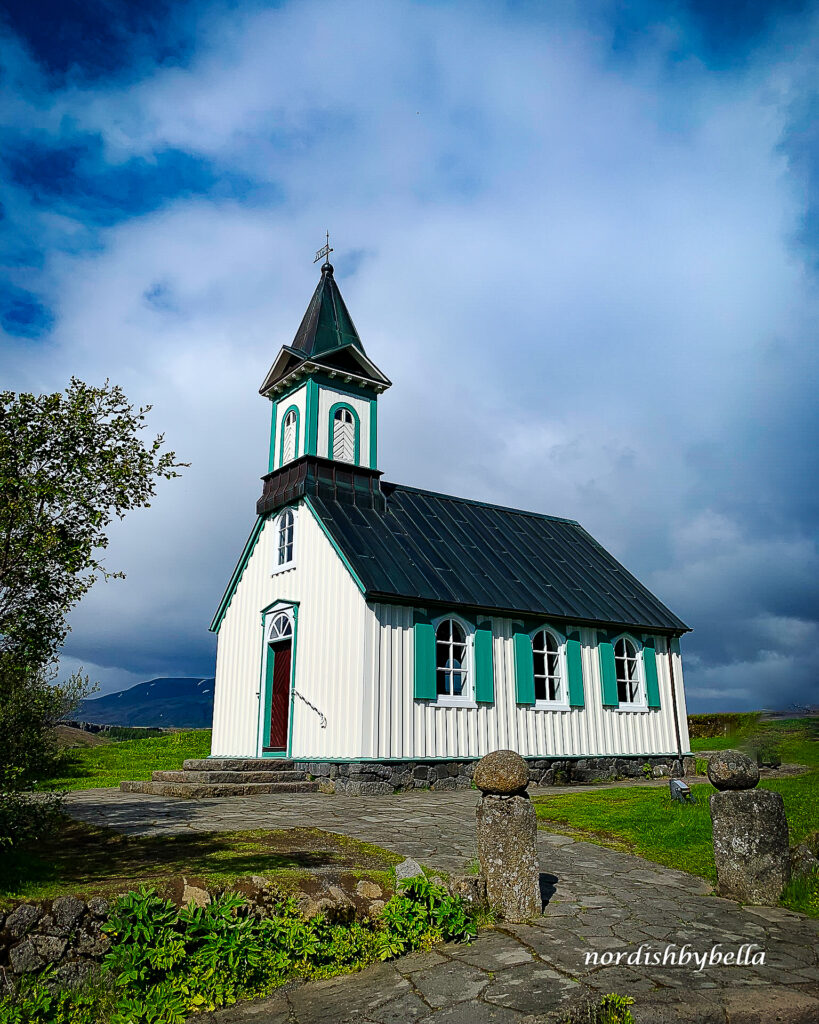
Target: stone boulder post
[
  {"x": 751, "y": 851},
  {"x": 507, "y": 836}
]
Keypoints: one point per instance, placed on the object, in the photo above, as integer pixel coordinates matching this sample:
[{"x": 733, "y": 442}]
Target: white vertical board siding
[
  {"x": 398, "y": 726},
  {"x": 299, "y": 400},
  {"x": 329, "y": 652},
  {"x": 327, "y": 399}
]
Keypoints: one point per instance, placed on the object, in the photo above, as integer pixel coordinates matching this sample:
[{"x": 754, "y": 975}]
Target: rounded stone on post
[
  {"x": 507, "y": 836},
  {"x": 731, "y": 769},
  {"x": 751, "y": 852}
]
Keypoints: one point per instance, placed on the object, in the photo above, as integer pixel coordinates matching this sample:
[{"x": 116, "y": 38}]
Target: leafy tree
[{"x": 69, "y": 463}]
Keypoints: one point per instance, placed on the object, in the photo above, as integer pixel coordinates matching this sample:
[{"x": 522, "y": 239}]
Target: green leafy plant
[
  {"x": 647, "y": 770},
  {"x": 166, "y": 963}
]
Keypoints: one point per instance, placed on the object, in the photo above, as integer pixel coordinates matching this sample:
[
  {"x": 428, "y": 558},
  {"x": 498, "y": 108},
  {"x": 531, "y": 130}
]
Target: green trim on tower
[
  {"x": 524, "y": 667},
  {"x": 484, "y": 665},
  {"x": 311, "y": 415},
  {"x": 271, "y": 459},
  {"x": 650, "y": 669},
  {"x": 235, "y": 579},
  {"x": 287, "y": 411},
  {"x": 574, "y": 670},
  {"x": 356, "y": 431},
  {"x": 373, "y": 433},
  {"x": 331, "y": 384},
  {"x": 336, "y": 548}
]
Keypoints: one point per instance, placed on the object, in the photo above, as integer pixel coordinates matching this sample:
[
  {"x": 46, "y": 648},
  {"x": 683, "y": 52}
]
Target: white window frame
[
  {"x": 342, "y": 434},
  {"x": 286, "y": 457},
  {"x": 554, "y": 705},
  {"x": 276, "y": 616},
  {"x": 642, "y": 703},
  {"x": 467, "y": 697},
  {"x": 277, "y": 522}
]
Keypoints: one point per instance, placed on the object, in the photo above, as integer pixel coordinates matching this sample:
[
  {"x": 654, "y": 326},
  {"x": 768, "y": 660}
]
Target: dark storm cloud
[{"x": 580, "y": 238}]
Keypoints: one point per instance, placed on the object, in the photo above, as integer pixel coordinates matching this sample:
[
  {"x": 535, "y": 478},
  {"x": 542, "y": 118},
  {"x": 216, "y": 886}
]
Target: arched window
[
  {"x": 284, "y": 538},
  {"x": 451, "y": 668},
  {"x": 343, "y": 434},
  {"x": 290, "y": 436},
  {"x": 549, "y": 681},
  {"x": 627, "y": 663},
  {"x": 280, "y": 628}
]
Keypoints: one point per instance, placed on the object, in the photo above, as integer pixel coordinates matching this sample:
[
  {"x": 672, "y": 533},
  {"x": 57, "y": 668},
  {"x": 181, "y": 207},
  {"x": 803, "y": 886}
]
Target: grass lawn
[
  {"x": 87, "y": 861},
  {"x": 111, "y": 763},
  {"x": 647, "y": 822}
]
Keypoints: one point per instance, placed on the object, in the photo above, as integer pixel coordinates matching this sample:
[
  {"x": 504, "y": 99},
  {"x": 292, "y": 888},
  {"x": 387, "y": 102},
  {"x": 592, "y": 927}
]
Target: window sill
[
  {"x": 283, "y": 568},
  {"x": 453, "y": 702},
  {"x": 631, "y": 707},
  {"x": 545, "y": 705}
]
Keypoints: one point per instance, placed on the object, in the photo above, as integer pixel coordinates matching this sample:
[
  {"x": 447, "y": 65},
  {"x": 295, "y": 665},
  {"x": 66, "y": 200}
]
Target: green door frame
[{"x": 266, "y": 686}]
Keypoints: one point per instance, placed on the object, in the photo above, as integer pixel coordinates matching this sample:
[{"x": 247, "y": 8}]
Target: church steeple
[{"x": 324, "y": 387}]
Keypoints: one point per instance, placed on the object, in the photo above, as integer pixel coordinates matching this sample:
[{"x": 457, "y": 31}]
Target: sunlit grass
[{"x": 112, "y": 763}]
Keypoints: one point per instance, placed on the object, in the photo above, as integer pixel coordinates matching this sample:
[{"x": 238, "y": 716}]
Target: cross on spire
[{"x": 324, "y": 252}]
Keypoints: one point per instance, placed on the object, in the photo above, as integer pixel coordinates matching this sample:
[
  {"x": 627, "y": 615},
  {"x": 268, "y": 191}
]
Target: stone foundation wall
[
  {"x": 65, "y": 934},
  {"x": 364, "y": 778}
]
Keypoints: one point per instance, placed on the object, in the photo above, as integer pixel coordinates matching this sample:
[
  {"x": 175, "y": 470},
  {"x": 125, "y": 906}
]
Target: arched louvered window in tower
[
  {"x": 289, "y": 437},
  {"x": 343, "y": 436}
]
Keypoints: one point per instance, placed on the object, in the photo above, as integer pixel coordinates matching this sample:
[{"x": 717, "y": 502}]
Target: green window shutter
[
  {"x": 484, "y": 666},
  {"x": 650, "y": 668},
  {"x": 524, "y": 669},
  {"x": 424, "y": 687},
  {"x": 574, "y": 670},
  {"x": 608, "y": 672}
]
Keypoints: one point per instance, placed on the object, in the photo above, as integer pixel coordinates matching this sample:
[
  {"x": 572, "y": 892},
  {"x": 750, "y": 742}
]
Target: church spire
[{"x": 324, "y": 388}]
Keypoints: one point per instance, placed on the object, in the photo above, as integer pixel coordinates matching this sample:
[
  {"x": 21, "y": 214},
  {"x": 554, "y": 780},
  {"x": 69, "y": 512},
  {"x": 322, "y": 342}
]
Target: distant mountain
[{"x": 176, "y": 703}]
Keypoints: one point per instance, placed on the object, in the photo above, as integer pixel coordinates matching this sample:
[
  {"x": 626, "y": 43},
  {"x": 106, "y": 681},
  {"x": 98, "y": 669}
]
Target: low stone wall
[
  {"x": 365, "y": 778},
  {"x": 65, "y": 933}
]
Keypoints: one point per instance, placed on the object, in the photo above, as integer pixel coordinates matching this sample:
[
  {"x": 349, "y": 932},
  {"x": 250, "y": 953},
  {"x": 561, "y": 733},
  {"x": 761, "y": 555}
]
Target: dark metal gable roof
[{"x": 435, "y": 549}]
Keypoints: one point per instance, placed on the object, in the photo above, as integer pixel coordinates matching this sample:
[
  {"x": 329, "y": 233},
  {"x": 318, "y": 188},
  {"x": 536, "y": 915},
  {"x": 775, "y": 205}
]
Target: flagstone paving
[{"x": 599, "y": 901}]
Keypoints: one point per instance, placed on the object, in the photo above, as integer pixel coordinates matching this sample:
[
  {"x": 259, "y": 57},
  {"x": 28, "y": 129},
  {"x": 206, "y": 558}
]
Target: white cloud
[{"x": 577, "y": 272}]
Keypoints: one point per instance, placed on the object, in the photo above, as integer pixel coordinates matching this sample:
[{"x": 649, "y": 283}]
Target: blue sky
[{"x": 582, "y": 239}]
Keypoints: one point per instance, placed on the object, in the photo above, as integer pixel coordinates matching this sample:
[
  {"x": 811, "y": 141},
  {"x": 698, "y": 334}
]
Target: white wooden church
[{"x": 367, "y": 621}]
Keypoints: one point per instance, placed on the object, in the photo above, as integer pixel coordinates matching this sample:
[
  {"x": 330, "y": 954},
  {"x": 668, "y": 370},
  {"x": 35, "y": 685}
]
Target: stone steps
[
  {"x": 213, "y": 777},
  {"x": 237, "y": 764},
  {"x": 199, "y": 791},
  {"x": 202, "y": 777}
]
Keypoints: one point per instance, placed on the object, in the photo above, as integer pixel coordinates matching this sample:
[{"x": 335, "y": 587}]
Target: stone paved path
[{"x": 600, "y": 902}]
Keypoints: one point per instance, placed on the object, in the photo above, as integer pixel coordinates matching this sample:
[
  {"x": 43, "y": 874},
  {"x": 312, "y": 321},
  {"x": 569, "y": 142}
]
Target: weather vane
[{"x": 324, "y": 252}]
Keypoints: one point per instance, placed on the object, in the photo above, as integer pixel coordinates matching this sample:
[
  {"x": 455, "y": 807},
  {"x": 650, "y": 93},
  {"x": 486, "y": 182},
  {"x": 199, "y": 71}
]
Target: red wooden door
[{"x": 280, "y": 701}]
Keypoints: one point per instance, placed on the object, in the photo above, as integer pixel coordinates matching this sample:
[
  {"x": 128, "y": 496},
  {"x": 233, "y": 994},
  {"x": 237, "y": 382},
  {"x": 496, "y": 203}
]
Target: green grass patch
[
  {"x": 796, "y": 740},
  {"x": 109, "y": 764},
  {"x": 84, "y": 860},
  {"x": 649, "y": 823}
]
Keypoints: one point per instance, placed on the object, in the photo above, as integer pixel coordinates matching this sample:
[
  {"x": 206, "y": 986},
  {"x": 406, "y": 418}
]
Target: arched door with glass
[{"x": 279, "y": 655}]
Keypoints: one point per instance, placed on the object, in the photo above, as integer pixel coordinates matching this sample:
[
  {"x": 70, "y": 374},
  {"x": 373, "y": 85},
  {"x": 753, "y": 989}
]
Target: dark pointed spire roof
[
  {"x": 327, "y": 337},
  {"x": 327, "y": 324}
]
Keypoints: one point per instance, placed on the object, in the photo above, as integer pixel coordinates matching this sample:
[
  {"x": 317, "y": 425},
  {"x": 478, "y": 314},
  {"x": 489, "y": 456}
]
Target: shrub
[
  {"x": 25, "y": 818},
  {"x": 166, "y": 963}
]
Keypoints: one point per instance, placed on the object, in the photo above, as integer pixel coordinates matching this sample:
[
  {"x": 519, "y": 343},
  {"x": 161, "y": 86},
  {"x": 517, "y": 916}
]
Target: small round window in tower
[{"x": 343, "y": 436}]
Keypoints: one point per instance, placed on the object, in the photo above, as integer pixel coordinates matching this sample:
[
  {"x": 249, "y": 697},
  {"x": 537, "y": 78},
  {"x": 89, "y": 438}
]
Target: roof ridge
[{"x": 481, "y": 504}]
